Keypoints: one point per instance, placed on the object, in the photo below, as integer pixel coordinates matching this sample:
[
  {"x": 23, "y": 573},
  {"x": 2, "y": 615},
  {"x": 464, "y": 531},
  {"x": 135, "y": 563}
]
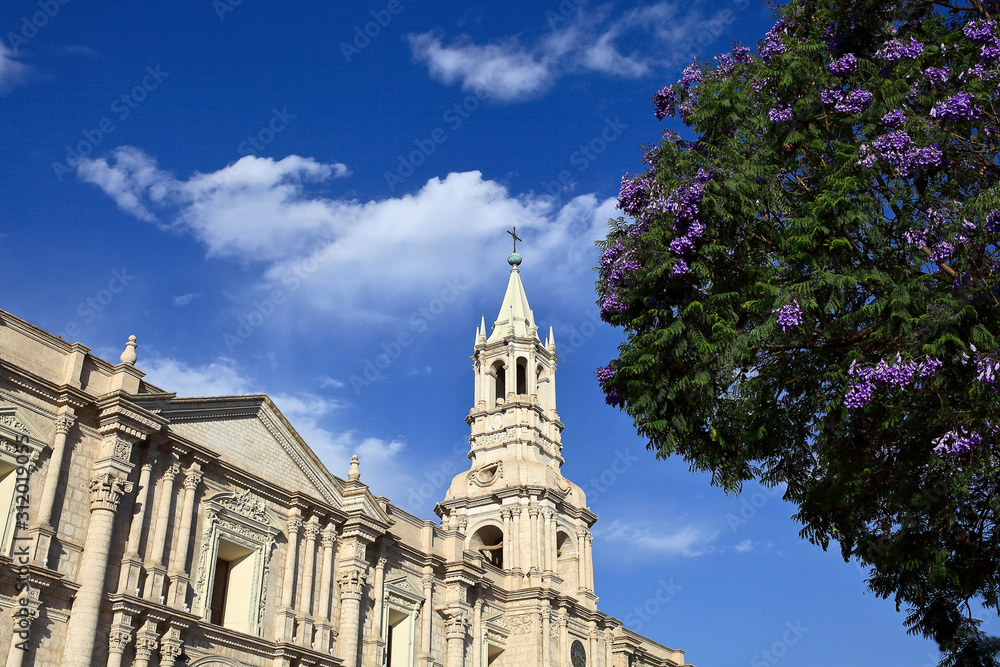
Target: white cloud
[
  {"x": 400, "y": 250},
  {"x": 184, "y": 299},
  {"x": 744, "y": 546},
  {"x": 218, "y": 378},
  {"x": 13, "y": 72},
  {"x": 502, "y": 71},
  {"x": 686, "y": 541},
  {"x": 328, "y": 382},
  {"x": 508, "y": 70}
]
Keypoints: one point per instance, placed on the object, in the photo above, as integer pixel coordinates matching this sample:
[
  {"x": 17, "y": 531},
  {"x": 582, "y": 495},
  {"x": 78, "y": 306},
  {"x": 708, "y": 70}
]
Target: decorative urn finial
[
  {"x": 128, "y": 356},
  {"x": 354, "y": 474}
]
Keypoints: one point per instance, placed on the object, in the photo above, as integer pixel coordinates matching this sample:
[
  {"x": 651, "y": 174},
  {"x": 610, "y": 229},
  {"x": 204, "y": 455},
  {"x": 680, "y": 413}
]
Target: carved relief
[
  {"x": 106, "y": 491},
  {"x": 487, "y": 475},
  {"x": 247, "y": 504},
  {"x": 352, "y": 582},
  {"x": 522, "y": 625},
  {"x": 13, "y": 422}
]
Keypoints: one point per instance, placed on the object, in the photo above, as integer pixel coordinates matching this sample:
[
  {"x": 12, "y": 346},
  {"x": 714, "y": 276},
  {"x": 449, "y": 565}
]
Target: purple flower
[
  {"x": 957, "y": 107},
  {"x": 622, "y": 270},
  {"x": 703, "y": 176},
  {"x": 605, "y": 374},
  {"x": 898, "y": 151},
  {"x": 772, "y": 45},
  {"x": 681, "y": 245},
  {"x": 741, "y": 54},
  {"x": 683, "y": 203},
  {"x": 790, "y": 316},
  {"x": 992, "y": 222},
  {"x": 634, "y": 195},
  {"x": 916, "y": 237},
  {"x": 936, "y": 74},
  {"x": 613, "y": 399},
  {"x": 611, "y": 305},
  {"x": 665, "y": 102},
  {"x": 942, "y": 252},
  {"x": 956, "y": 442},
  {"x": 780, "y": 113},
  {"x": 894, "y": 50},
  {"x": 990, "y": 52},
  {"x": 898, "y": 375},
  {"x": 611, "y": 254},
  {"x": 844, "y": 65},
  {"x": 894, "y": 118},
  {"x": 691, "y": 75},
  {"x": 726, "y": 64},
  {"x": 979, "y": 31},
  {"x": 680, "y": 267},
  {"x": 855, "y": 102},
  {"x": 831, "y": 96},
  {"x": 964, "y": 233}
]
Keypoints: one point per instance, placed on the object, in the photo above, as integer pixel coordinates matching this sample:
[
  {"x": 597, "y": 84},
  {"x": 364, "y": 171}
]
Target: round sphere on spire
[{"x": 514, "y": 259}]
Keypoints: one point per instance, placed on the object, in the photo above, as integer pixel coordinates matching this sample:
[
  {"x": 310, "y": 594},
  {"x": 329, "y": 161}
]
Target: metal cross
[{"x": 513, "y": 232}]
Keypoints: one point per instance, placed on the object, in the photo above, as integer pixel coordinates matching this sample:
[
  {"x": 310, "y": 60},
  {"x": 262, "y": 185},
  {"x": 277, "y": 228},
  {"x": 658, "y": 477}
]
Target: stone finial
[
  {"x": 354, "y": 474},
  {"x": 128, "y": 356}
]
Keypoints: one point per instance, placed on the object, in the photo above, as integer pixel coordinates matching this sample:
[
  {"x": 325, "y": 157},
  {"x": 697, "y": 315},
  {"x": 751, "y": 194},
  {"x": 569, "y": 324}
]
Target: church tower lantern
[{"x": 513, "y": 504}]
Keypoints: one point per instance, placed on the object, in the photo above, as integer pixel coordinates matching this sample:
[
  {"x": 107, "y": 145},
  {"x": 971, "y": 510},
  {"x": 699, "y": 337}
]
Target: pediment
[
  {"x": 252, "y": 434},
  {"x": 16, "y": 425}
]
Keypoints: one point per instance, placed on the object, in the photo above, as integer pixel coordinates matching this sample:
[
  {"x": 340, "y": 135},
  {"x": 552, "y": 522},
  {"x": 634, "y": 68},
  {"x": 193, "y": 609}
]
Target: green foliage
[{"x": 815, "y": 212}]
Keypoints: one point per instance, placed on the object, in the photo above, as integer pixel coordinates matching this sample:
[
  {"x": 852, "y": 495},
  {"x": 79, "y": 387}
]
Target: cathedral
[{"x": 142, "y": 528}]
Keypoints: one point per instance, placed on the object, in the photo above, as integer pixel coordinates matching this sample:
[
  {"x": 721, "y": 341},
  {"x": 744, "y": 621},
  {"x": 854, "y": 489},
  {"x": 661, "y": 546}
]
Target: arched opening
[
  {"x": 522, "y": 376},
  {"x": 499, "y": 382},
  {"x": 567, "y": 563},
  {"x": 488, "y": 541}
]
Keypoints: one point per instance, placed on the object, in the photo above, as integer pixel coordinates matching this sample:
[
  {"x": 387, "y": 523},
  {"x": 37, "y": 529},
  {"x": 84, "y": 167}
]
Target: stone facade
[{"x": 145, "y": 529}]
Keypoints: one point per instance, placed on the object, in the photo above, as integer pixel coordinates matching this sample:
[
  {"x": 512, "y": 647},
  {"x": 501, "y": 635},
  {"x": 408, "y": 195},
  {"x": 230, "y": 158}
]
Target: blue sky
[{"x": 274, "y": 196}]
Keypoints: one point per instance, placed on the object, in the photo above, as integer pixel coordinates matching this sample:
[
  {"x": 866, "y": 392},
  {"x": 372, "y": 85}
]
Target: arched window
[
  {"x": 488, "y": 541},
  {"x": 567, "y": 565},
  {"x": 542, "y": 386},
  {"x": 500, "y": 382},
  {"x": 522, "y": 376}
]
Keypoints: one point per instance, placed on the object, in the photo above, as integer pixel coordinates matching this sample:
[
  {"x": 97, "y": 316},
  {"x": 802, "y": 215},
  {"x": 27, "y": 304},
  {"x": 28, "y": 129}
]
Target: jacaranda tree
[{"x": 809, "y": 292}]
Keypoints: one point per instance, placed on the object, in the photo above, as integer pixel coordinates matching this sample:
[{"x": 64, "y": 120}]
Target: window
[
  {"x": 566, "y": 561},
  {"x": 500, "y": 383},
  {"x": 8, "y": 480},
  {"x": 230, "y": 605},
  {"x": 522, "y": 376},
  {"x": 488, "y": 541},
  {"x": 233, "y": 566},
  {"x": 399, "y": 614}
]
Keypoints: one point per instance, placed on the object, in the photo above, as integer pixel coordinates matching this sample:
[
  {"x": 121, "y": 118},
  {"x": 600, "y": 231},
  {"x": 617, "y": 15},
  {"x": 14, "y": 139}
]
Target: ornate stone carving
[
  {"x": 247, "y": 504},
  {"x": 521, "y": 625},
  {"x": 311, "y": 531},
  {"x": 515, "y": 511},
  {"x": 192, "y": 478},
  {"x": 171, "y": 644},
  {"x": 352, "y": 583},
  {"x": 456, "y": 622},
  {"x": 427, "y": 581},
  {"x": 118, "y": 640},
  {"x": 329, "y": 538},
  {"x": 171, "y": 471},
  {"x": 359, "y": 550},
  {"x": 294, "y": 524},
  {"x": 13, "y": 422},
  {"x": 381, "y": 563},
  {"x": 533, "y": 511},
  {"x": 146, "y": 641},
  {"x": 487, "y": 475},
  {"x": 106, "y": 491},
  {"x": 64, "y": 423}
]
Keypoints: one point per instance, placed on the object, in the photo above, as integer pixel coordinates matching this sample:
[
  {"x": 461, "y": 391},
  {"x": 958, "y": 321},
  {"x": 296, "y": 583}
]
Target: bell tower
[{"x": 513, "y": 505}]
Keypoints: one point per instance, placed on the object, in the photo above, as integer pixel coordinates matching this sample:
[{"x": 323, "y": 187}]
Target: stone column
[
  {"x": 609, "y": 644},
  {"x": 43, "y": 523},
  {"x": 106, "y": 491},
  {"x": 508, "y": 550},
  {"x": 581, "y": 550},
  {"x": 179, "y": 576},
  {"x": 515, "y": 529},
  {"x": 21, "y": 617},
  {"x": 118, "y": 639},
  {"x": 171, "y": 646},
  {"x": 546, "y": 636},
  {"x": 377, "y": 647},
  {"x": 589, "y": 554},
  {"x": 156, "y": 571},
  {"x": 563, "y": 621},
  {"x": 428, "y": 613},
  {"x": 455, "y": 630},
  {"x": 287, "y": 613},
  {"x": 352, "y": 584},
  {"x": 548, "y": 543},
  {"x": 477, "y": 633},
  {"x": 592, "y": 636},
  {"x": 131, "y": 569},
  {"x": 324, "y": 612},
  {"x": 305, "y": 616},
  {"x": 535, "y": 560},
  {"x": 147, "y": 641}
]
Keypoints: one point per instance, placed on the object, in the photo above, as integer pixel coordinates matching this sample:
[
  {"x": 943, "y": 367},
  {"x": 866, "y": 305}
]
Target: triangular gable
[
  {"x": 16, "y": 425},
  {"x": 251, "y": 433}
]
